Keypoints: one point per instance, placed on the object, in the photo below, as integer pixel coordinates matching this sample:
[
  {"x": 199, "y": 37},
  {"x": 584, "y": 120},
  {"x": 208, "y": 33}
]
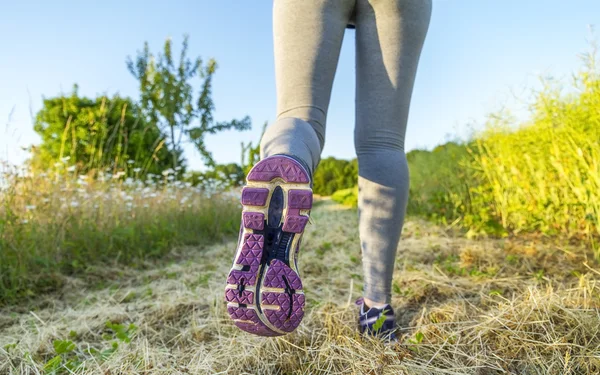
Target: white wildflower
[{"x": 30, "y": 207}]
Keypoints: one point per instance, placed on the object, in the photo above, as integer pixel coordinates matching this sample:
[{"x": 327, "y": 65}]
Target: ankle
[{"x": 370, "y": 303}]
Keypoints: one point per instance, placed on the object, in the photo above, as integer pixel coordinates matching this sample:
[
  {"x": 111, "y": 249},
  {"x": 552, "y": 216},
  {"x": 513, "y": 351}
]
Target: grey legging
[{"x": 389, "y": 36}]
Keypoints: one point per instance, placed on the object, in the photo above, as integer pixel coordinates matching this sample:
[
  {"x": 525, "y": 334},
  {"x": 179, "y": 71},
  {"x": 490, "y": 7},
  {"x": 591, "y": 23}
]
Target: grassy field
[
  {"x": 58, "y": 224},
  {"x": 464, "y": 306}
]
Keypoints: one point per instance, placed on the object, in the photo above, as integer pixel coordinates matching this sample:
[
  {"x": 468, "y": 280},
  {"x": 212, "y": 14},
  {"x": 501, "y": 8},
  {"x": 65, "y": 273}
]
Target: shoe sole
[{"x": 264, "y": 292}]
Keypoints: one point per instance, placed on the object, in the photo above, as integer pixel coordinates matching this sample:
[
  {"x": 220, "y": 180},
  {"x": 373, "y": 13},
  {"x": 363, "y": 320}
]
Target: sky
[{"x": 479, "y": 57}]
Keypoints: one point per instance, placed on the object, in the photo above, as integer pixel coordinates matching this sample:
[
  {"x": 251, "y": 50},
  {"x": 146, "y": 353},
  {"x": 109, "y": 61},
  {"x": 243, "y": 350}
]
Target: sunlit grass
[{"x": 58, "y": 223}]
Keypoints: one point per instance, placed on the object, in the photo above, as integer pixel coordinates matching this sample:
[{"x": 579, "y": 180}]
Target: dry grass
[{"x": 510, "y": 306}]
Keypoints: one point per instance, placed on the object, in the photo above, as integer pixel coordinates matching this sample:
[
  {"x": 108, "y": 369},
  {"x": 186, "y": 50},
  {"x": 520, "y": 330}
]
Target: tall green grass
[
  {"x": 545, "y": 176},
  {"x": 58, "y": 223}
]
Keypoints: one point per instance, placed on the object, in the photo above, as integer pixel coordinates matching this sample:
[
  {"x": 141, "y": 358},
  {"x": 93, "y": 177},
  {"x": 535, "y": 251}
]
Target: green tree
[
  {"x": 167, "y": 97},
  {"x": 439, "y": 183},
  {"x": 98, "y": 133}
]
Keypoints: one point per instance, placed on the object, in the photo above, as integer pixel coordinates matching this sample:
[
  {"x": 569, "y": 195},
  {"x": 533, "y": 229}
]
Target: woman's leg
[
  {"x": 264, "y": 291},
  {"x": 307, "y": 40},
  {"x": 389, "y": 38}
]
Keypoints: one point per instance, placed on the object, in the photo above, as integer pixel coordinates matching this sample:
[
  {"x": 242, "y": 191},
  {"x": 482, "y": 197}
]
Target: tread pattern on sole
[
  {"x": 283, "y": 319},
  {"x": 274, "y": 275},
  {"x": 278, "y": 166},
  {"x": 254, "y": 196},
  {"x": 290, "y": 312},
  {"x": 245, "y": 297},
  {"x": 250, "y": 321},
  {"x": 254, "y": 220},
  {"x": 252, "y": 250},
  {"x": 297, "y": 200},
  {"x": 249, "y": 277},
  {"x": 282, "y": 310}
]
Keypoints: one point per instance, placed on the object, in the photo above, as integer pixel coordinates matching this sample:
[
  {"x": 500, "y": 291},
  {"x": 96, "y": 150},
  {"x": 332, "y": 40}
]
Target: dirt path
[{"x": 464, "y": 307}]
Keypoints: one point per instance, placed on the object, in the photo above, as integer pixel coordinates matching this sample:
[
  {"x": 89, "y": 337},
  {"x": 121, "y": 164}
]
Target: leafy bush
[
  {"x": 334, "y": 174},
  {"x": 98, "y": 133},
  {"x": 348, "y": 197}
]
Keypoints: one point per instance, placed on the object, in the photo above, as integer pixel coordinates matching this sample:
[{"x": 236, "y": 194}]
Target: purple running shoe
[
  {"x": 376, "y": 321},
  {"x": 264, "y": 293}
]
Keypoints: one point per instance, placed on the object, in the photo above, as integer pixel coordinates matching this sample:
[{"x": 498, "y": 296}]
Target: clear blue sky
[{"x": 477, "y": 55}]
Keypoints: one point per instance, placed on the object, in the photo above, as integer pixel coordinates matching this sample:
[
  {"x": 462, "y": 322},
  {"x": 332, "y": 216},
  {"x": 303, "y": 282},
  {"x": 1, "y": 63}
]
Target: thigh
[
  {"x": 389, "y": 39},
  {"x": 307, "y": 40}
]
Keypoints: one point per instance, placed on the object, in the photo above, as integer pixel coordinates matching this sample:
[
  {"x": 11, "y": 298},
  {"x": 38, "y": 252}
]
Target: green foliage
[
  {"x": 53, "y": 365},
  {"x": 120, "y": 332},
  {"x": 348, "y": 197},
  {"x": 335, "y": 174},
  {"x": 97, "y": 134},
  {"x": 379, "y": 322},
  {"x": 68, "y": 358},
  {"x": 419, "y": 336},
  {"x": 439, "y": 182},
  {"x": 63, "y": 346},
  {"x": 167, "y": 97}
]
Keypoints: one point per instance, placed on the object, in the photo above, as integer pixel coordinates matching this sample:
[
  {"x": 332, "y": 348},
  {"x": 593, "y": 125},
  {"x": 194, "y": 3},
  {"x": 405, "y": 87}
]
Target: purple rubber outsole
[{"x": 282, "y": 310}]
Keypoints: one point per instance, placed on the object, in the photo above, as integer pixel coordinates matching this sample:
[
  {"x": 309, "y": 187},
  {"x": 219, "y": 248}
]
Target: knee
[
  {"x": 301, "y": 130},
  {"x": 379, "y": 141}
]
